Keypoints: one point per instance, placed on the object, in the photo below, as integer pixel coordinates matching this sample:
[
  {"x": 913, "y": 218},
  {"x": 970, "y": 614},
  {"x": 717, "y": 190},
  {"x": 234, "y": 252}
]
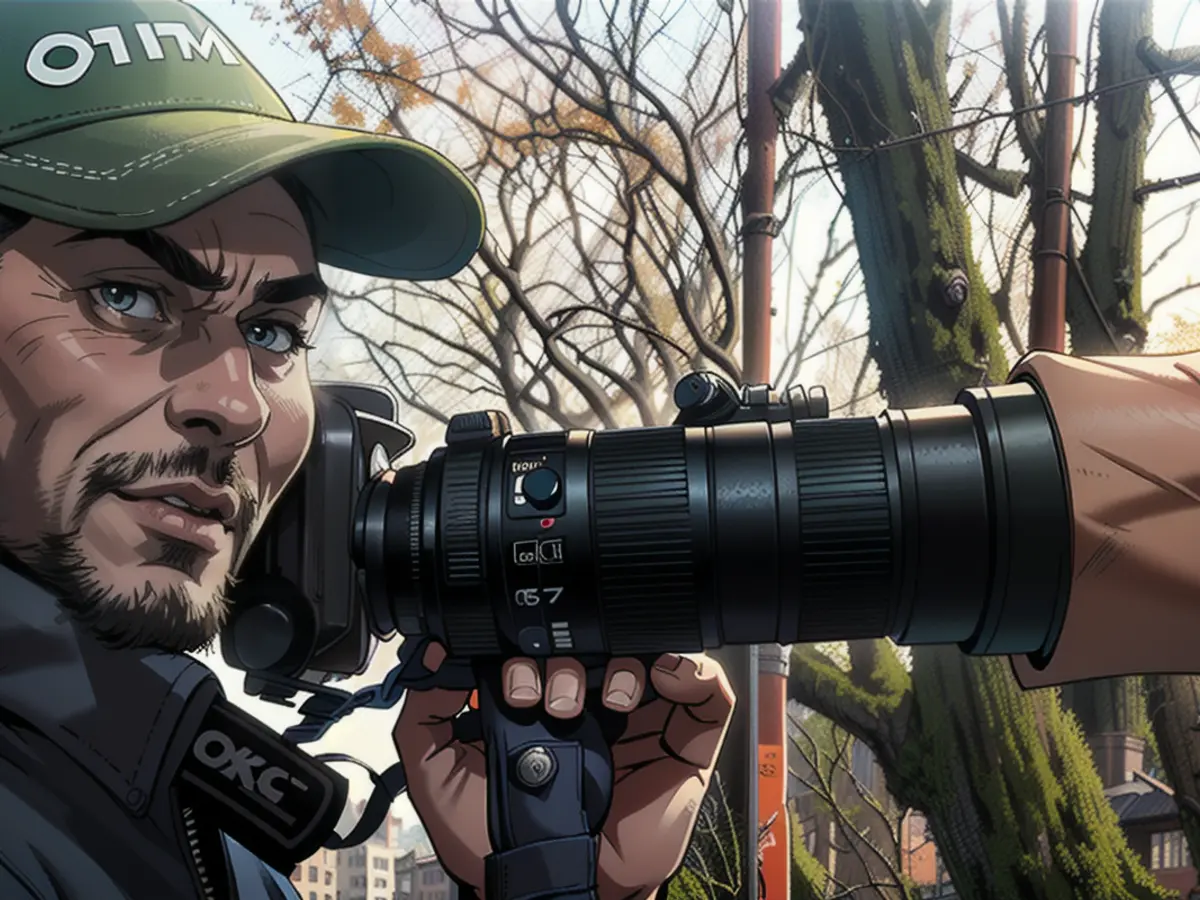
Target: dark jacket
[{"x": 91, "y": 739}]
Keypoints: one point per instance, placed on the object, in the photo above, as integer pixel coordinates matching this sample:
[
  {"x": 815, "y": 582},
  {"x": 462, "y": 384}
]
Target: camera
[
  {"x": 297, "y": 616},
  {"x": 754, "y": 518}
]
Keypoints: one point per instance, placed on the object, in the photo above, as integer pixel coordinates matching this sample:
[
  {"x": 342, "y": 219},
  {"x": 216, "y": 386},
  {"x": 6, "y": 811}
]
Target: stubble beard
[{"x": 170, "y": 616}]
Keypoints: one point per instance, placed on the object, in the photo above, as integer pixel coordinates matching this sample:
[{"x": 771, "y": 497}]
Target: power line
[{"x": 1085, "y": 97}]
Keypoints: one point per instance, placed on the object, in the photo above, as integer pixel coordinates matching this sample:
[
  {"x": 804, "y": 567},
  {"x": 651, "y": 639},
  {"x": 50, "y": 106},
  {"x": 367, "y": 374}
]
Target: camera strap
[
  {"x": 325, "y": 709},
  {"x": 547, "y": 848},
  {"x": 273, "y": 799}
]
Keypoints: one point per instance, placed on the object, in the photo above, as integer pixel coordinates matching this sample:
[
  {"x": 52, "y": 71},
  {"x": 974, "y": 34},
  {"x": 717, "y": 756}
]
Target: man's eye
[
  {"x": 274, "y": 336},
  {"x": 128, "y": 301}
]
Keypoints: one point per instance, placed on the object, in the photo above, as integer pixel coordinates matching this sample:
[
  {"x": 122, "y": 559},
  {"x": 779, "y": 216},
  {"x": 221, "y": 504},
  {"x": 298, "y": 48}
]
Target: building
[
  {"x": 421, "y": 877},
  {"x": 1146, "y": 810},
  {"x": 405, "y": 871},
  {"x": 316, "y": 877},
  {"x": 1149, "y": 817},
  {"x": 389, "y": 831},
  {"x": 430, "y": 881},
  {"x": 366, "y": 872}
]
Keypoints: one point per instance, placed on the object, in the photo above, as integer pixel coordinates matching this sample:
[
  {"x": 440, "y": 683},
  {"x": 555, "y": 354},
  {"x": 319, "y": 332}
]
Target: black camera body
[{"x": 298, "y": 615}]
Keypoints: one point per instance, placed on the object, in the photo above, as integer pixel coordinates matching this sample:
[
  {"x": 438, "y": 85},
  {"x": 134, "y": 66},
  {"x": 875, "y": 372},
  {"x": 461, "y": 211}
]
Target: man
[{"x": 162, "y": 218}]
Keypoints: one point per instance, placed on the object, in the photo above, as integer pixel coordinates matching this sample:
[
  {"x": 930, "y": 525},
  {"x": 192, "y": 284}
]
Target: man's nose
[{"x": 219, "y": 404}]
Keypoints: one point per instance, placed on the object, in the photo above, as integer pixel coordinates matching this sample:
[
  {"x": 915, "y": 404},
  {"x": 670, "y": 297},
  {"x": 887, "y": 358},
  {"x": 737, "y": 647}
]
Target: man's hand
[{"x": 662, "y": 763}]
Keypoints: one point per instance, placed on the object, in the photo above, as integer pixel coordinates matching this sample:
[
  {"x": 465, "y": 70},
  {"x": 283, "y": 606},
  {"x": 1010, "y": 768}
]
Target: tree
[
  {"x": 1004, "y": 777},
  {"x": 611, "y": 262},
  {"x": 606, "y": 147},
  {"x": 933, "y": 327},
  {"x": 1104, "y": 304},
  {"x": 1174, "y": 708}
]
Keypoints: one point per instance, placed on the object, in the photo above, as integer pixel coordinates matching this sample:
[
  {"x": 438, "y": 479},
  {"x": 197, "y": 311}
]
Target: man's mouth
[
  {"x": 178, "y": 502},
  {"x": 185, "y": 512}
]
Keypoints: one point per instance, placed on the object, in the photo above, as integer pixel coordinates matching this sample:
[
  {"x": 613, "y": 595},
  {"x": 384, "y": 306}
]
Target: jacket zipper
[{"x": 192, "y": 833}]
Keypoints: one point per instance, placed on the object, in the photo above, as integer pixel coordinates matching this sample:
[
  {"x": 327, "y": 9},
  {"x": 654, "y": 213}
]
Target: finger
[
  {"x": 565, "y": 684},
  {"x": 624, "y": 682},
  {"x": 435, "y": 655},
  {"x": 704, "y": 703},
  {"x": 522, "y": 683}
]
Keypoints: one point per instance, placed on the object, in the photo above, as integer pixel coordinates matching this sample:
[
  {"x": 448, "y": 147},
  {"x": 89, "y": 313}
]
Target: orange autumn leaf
[
  {"x": 345, "y": 113},
  {"x": 340, "y": 15}
]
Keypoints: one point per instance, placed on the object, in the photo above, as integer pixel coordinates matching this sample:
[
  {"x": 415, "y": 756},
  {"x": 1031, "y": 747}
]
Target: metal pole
[
  {"x": 758, "y": 194},
  {"x": 773, "y": 771},
  {"x": 769, "y": 739},
  {"x": 1048, "y": 309}
]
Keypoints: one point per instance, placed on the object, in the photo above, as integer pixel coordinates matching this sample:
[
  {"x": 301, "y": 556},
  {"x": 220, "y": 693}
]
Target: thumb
[
  {"x": 426, "y": 722},
  {"x": 703, "y": 704}
]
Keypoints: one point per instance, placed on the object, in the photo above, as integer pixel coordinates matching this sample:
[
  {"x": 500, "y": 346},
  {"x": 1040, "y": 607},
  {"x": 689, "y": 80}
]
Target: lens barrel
[{"x": 942, "y": 525}]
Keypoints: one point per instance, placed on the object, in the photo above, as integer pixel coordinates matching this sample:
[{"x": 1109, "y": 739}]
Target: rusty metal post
[
  {"x": 1048, "y": 306},
  {"x": 769, "y": 761},
  {"x": 758, "y": 190}
]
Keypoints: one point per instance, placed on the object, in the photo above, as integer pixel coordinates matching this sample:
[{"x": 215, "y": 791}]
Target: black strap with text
[{"x": 261, "y": 790}]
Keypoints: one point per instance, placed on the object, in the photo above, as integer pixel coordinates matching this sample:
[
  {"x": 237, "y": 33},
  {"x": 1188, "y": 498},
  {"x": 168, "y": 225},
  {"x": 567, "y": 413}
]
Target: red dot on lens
[{"x": 546, "y": 523}]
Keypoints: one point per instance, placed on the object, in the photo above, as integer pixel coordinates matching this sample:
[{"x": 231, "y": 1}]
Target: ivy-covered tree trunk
[
  {"x": 1004, "y": 776},
  {"x": 1173, "y": 702},
  {"x": 1104, "y": 308},
  {"x": 1112, "y": 319},
  {"x": 880, "y": 67},
  {"x": 810, "y": 880}
]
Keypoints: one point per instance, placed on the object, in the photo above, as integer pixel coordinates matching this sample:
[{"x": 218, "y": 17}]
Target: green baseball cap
[{"x": 133, "y": 114}]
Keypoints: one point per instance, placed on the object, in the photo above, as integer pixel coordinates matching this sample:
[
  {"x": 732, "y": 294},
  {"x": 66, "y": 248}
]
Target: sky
[{"x": 367, "y": 734}]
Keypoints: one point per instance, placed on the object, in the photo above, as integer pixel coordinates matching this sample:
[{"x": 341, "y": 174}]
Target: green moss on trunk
[
  {"x": 1007, "y": 781},
  {"x": 1003, "y": 776},
  {"x": 1112, "y": 257},
  {"x": 882, "y": 75},
  {"x": 810, "y": 880}
]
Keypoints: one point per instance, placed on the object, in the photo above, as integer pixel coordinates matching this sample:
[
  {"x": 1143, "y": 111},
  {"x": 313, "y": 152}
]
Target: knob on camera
[{"x": 272, "y": 626}]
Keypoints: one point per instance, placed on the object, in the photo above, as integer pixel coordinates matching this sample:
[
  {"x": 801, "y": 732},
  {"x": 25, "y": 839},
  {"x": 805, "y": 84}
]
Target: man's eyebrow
[
  {"x": 167, "y": 255},
  {"x": 290, "y": 289}
]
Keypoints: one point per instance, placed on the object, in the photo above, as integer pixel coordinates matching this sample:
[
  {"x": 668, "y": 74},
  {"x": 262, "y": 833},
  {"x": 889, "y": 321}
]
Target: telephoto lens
[{"x": 753, "y": 519}]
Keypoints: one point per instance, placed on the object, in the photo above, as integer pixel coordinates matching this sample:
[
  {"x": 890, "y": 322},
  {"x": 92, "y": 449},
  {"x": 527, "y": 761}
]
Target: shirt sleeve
[
  {"x": 1130, "y": 431},
  {"x": 16, "y": 886}
]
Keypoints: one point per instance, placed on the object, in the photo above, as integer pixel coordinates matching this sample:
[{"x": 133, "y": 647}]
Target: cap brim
[{"x": 380, "y": 206}]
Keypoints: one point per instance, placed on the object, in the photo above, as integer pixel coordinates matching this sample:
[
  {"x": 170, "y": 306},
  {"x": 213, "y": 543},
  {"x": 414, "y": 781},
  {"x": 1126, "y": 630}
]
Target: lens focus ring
[
  {"x": 846, "y": 541},
  {"x": 645, "y": 552},
  {"x": 460, "y": 518}
]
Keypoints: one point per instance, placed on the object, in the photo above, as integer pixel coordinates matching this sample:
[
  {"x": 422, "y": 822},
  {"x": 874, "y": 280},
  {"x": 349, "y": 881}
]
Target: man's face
[{"x": 154, "y": 402}]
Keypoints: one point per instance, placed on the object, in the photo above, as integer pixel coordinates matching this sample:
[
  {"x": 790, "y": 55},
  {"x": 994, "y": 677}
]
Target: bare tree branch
[
  {"x": 1003, "y": 181},
  {"x": 612, "y": 259}
]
